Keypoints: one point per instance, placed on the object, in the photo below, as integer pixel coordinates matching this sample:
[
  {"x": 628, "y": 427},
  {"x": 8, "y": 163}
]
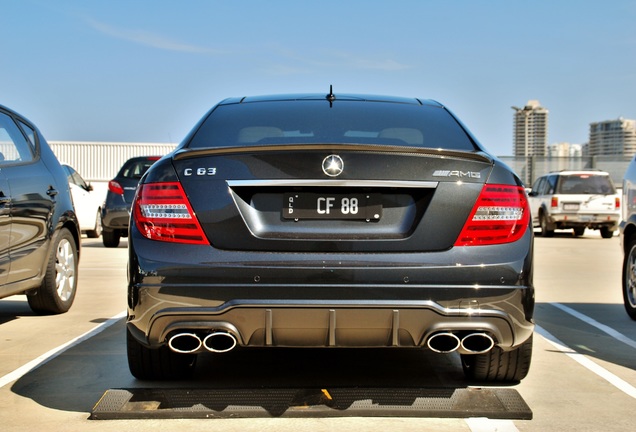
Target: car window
[
  {"x": 537, "y": 187},
  {"x": 74, "y": 177},
  {"x": 13, "y": 145},
  {"x": 285, "y": 122},
  {"x": 137, "y": 169},
  {"x": 30, "y": 133},
  {"x": 585, "y": 184},
  {"x": 551, "y": 184}
]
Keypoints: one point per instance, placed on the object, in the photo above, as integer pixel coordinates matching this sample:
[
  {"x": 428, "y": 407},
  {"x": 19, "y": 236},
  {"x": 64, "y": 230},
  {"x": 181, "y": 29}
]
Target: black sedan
[
  {"x": 115, "y": 212},
  {"x": 39, "y": 231},
  {"x": 330, "y": 221}
]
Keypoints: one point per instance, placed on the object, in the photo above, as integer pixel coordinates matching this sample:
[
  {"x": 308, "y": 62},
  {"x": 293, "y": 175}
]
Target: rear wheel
[
  {"x": 498, "y": 365},
  {"x": 97, "y": 231},
  {"x": 57, "y": 292},
  {"x": 157, "y": 364},
  {"x": 110, "y": 238},
  {"x": 546, "y": 229},
  {"x": 629, "y": 278},
  {"x": 578, "y": 232},
  {"x": 606, "y": 233}
]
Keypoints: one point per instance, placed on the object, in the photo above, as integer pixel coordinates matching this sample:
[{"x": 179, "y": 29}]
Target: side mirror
[{"x": 89, "y": 188}]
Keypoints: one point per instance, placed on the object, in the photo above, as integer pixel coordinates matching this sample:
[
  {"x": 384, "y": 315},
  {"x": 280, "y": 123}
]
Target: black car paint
[
  {"x": 35, "y": 204},
  {"x": 257, "y": 263}
]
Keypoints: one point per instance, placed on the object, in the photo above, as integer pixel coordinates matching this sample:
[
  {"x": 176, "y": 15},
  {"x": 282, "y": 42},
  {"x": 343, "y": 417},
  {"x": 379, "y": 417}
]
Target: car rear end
[
  {"x": 355, "y": 231},
  {"x": 586, "y": 200},
  {"x": 115, "y": 213}
]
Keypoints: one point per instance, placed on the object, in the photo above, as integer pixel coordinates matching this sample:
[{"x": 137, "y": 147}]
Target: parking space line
[
  {"x": 602, "y": 327},
  {"x": 44, "y": 358},
  {"x": 617, "y": 382},
  {"x": 483, "y": 424}
]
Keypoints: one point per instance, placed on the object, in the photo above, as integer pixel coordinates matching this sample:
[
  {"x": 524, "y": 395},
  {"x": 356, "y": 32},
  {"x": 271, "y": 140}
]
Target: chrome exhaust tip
[
  {"x": 185, "y": 343},
  {"x": 219, "y": 342},
  {"x": 477, "y": 343},
  {"x": 443, "y": 342}
]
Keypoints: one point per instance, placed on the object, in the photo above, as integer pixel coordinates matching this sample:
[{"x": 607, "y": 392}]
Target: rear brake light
[
  {"x": 617, "y": 203},
  {"x": 115, "y": 187},
  {"x": 500, "y": 215},
  {"x": 162, "y": 212},
  {"x": 554, "y": 203}
]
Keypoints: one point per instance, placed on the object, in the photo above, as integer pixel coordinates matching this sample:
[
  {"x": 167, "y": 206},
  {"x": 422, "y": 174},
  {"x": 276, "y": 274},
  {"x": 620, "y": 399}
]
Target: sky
[{"x": 147, "y": 71}]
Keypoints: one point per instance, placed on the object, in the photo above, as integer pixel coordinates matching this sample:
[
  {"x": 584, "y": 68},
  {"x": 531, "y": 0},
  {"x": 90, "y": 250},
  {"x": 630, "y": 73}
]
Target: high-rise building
[
  {"x": 530, "y": 129},
  {"x": 613, "y": 137},
  {"x": 565, "y": 149}
]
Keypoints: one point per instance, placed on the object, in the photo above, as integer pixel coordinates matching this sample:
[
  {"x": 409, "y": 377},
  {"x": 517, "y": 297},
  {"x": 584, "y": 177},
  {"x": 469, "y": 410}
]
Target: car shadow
[
  {"x": 86, "y": 371},
  {"x": 586, "y": 338},
  {"x": 97, "y": 243},
  {"x": 14, "y": 309},
  {"x": 567, "y": 233}
]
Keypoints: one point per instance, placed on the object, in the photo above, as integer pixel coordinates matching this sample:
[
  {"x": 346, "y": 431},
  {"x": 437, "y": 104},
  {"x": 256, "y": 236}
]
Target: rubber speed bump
[{"x": 139, "y": 403}]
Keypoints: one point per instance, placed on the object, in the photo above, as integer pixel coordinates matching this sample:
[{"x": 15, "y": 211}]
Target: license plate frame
[{"x": 332, "y": 206}]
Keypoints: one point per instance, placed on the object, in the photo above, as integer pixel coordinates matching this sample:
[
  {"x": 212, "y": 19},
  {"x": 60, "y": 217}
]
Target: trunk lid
[{"x": 279, "y": 198}]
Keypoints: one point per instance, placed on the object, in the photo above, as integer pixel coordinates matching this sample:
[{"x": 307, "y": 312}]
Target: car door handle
[{"x": 51, "y": 192}]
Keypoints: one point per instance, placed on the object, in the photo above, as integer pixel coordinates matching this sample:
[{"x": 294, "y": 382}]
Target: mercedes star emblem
[{"x": 332, "y": 165}]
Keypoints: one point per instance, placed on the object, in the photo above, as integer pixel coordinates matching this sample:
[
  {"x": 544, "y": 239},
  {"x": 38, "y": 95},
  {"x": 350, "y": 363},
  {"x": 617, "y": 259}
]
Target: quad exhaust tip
[
  {"x": 444, "y": 342},
  {"x": 223, "y": 341},
  {"x": 219, "y": 342},
  {"x": 477, "y": 343},
  {"x": 189, "y": 343},
  {"x": 472, "y": 343}
]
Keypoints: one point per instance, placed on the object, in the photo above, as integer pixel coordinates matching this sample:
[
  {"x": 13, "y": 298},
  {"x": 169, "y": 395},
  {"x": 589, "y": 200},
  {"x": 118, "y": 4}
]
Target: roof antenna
[{"x": 331, "y": 97}]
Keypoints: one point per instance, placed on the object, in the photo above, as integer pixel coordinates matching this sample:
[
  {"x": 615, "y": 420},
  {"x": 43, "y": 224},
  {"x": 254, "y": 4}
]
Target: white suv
[{"x": 577, "y": 200}]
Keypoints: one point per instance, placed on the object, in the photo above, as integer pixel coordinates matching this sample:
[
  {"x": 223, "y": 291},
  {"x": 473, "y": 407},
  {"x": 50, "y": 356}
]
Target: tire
[
  {"x": 606, "y": 233},
  {"x": 57, "y": 291},
  {"x": 498, "y": 365},
  {"x": 110, "y": 238},
  {"x": 546, "y": 230},
  {"x": 578, "y": 232},
  {"x": 97, "y": 231},
  {"x": 629, "y": 278},
  {"x": 157, "y": 364}
]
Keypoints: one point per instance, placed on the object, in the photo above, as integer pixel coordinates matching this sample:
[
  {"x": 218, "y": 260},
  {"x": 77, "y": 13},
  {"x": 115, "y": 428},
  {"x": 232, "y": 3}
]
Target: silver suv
[{"x": 577, "y": 200}]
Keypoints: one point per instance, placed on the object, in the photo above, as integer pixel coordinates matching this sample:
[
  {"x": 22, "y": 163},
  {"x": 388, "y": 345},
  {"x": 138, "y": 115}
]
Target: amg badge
[{"x": 457, "y": 173}]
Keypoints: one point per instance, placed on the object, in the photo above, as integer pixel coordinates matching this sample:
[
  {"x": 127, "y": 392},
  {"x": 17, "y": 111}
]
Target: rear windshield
[
  {"x": 294, "y": 122},
  {"x": 585, "y": 184},
  {"x": 135, "y": 169}
]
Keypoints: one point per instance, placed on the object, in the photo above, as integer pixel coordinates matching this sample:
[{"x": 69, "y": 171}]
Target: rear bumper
[
  {"x": 294, "y": 323},
  {"x": 590, "y": 220},
  {"x": 115, "y": 218},
  {"x": 330, "y": 299}
]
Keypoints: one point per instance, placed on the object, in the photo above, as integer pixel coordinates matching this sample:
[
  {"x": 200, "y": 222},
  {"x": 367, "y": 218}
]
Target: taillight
[
  {"x": 500, "y": 215},
  {"x": 162, "y": 212},
  {"x": 617, "y": 203},
  {"x": 554, "y": 202},
  {"x": 115, "y": 187}
]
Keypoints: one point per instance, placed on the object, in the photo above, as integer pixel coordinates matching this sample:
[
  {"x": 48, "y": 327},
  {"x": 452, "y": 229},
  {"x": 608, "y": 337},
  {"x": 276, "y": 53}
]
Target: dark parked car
[
  {"x": 39, "y": 232},
  {"x": 121, "y": 191},
  {"x": 628, "y": 239},
  {"x": 330, "y": 221}
]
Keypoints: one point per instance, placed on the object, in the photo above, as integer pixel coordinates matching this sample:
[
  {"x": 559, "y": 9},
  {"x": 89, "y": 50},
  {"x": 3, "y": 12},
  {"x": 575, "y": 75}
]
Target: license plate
[
  {"x": 571, "y": 206},
  {"x": 305, "y": 205}
]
